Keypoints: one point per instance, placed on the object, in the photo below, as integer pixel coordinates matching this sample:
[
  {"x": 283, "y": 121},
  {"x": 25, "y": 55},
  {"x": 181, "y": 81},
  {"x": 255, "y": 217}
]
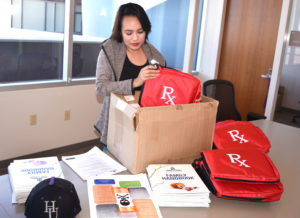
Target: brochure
[{"x": 121, "y": 196}]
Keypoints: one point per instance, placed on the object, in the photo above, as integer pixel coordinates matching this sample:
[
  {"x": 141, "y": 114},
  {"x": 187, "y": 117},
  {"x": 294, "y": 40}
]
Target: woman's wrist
[{"x": 136, "y": 83}]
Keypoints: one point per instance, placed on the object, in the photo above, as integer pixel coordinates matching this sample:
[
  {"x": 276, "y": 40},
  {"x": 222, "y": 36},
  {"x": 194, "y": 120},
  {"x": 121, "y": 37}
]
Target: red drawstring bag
[
  {"x": 230, "y": 133},
  {"x": 240, "y": 173},
  {"x": 171, "y": 87}
]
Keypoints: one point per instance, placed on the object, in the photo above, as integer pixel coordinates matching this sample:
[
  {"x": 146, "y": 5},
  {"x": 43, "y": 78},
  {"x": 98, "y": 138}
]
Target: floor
[{"x": 285, "y": 116}]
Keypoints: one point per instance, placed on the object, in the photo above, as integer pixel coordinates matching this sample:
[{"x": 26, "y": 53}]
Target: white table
[{"x": 285, "y": 153}]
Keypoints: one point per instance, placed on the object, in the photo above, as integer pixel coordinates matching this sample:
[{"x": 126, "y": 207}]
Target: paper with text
[{"x": 93, "y": 163}]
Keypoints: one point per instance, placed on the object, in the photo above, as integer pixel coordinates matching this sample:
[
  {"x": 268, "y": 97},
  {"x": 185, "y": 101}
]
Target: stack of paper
[
  {"x": 26, "y": 173},
  {"x": 93, "y": 163},
  {"x": 177, "y": 185},
  {"x": 121, "y": 196}
]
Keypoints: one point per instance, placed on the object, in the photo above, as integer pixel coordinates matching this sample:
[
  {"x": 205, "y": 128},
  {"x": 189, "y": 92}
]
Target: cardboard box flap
[
  {"x": 128, "y": 104},
  {"x": 128, "y": 110}
]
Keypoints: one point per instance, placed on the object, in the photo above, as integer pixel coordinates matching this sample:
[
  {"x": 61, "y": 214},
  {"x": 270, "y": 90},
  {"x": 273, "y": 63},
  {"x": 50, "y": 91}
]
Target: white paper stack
[
  {"x": 26, "y": 173},
  {"x": 177, "y": 185},
  {"x": 93, "y": 163}
]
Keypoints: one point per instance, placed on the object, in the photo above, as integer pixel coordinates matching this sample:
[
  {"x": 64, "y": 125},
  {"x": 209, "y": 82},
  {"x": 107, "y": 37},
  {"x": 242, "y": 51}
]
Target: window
[
  {"x": 35, "y": 42},
  {"x": 31, "y": 41},
  {"x": 92, "y": 24},
  {"x": 169, "y": 25}
]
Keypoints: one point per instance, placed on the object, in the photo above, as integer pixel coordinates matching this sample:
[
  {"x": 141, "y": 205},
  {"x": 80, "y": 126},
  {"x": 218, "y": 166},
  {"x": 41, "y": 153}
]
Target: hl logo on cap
[
  {"x": 235, "y": 158},
  {"x": 235, "y": 136},
  {"x": 51, "y": 209},
  {"x": 167, "y": 95}
]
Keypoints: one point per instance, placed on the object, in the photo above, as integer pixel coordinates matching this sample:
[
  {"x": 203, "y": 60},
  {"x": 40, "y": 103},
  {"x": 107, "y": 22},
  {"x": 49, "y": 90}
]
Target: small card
[{"x": 130, "y": 184}]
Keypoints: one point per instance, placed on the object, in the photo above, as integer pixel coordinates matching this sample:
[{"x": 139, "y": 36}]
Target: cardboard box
[{"x": 138, "y": 137}]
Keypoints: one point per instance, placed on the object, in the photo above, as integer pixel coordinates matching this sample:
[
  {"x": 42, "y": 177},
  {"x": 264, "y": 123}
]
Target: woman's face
[{"x": 132, "y": 33}]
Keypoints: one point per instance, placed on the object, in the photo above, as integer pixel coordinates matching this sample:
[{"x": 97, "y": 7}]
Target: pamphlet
[{"x": 121, "y": 196}]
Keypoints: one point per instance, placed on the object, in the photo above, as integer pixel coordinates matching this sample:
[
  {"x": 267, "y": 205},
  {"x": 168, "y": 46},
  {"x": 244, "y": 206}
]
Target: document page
[{"x": 93, "y": 163}]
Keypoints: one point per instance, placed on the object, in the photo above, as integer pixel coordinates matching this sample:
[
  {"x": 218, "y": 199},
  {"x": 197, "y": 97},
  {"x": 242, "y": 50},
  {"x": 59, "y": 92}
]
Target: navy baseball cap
[{"x": 53, "y": 197}]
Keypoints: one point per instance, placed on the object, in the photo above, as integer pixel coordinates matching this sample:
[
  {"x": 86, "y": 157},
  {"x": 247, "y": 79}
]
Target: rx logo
[
  {"x": 235, "y": 158},
  {"x": 235, "y": 136},
  {"x": 50, "y": 209},
  {"x": 167, "y": 95}
]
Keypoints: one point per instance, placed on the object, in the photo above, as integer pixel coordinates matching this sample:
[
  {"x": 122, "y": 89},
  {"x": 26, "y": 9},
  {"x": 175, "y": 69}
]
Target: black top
[{"x": 131, "y": 71}]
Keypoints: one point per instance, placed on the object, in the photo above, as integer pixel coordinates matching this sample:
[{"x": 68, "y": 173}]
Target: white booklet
[
  {"x": 162, "y": 176},
  {"x": 93, "y": 163},
  {"x": 26, "y": 173},
  {"x": 177, "y": 185},
  {"x": 121, "y": 196}
]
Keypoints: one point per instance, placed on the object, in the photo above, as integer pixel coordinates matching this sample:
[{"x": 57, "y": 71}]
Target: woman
[{"x": 124, "y": 61}]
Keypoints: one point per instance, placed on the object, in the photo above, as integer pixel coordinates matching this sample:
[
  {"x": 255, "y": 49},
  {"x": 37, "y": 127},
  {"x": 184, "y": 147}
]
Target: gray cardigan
[{"x": 105, "y": 83}]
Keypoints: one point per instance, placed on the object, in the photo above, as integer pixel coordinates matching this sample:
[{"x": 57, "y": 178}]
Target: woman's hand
[{"x": 146, "y": 73}]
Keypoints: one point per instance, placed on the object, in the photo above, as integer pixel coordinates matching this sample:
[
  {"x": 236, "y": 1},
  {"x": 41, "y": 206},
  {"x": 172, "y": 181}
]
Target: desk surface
[{"x": 284, "y": 153}]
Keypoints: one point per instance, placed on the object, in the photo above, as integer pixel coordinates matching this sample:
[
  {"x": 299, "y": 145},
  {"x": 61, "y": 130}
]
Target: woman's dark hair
[{"x": 130, "y": 9}]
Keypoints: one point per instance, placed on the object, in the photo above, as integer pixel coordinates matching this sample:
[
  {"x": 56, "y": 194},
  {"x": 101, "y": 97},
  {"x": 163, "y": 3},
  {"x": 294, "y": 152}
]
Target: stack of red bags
[{"x": 239, "y": 167}]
